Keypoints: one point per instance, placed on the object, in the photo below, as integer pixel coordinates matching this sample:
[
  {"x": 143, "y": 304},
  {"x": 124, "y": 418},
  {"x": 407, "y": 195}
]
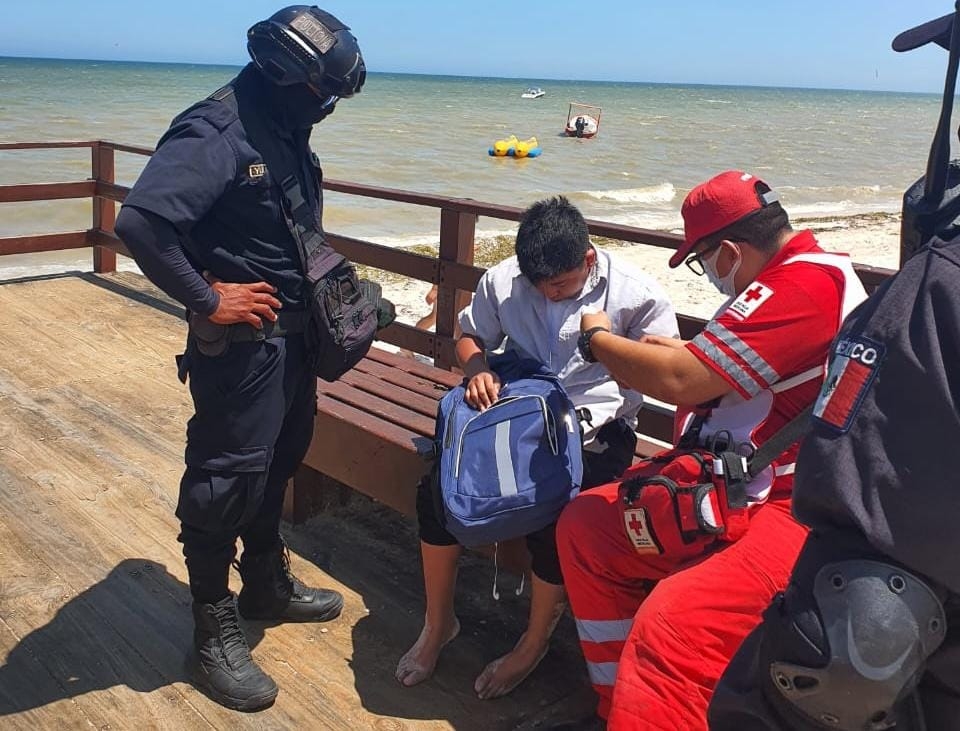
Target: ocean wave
[
  {"x": 841, "y": 209},
  {"x": 432, "y": 240},
  {"x": 836, "y": 189},
  {"x": 662, "y": 193}
]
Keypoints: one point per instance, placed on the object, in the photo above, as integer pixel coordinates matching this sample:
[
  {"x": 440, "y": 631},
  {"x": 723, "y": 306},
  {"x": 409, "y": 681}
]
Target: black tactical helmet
[{"x": 302, "y": 44}]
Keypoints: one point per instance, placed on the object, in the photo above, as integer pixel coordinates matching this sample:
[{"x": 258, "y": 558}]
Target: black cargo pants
[
  {"x": 746, "y": 699},
  {"x": 254, "y": 412}
]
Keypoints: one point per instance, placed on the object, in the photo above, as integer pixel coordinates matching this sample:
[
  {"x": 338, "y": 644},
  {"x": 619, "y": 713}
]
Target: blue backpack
[{"x": 508, "y": 471}]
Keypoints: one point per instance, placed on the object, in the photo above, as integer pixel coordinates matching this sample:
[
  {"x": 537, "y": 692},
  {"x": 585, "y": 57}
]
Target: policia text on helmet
[{"x": 306, "y": 47}]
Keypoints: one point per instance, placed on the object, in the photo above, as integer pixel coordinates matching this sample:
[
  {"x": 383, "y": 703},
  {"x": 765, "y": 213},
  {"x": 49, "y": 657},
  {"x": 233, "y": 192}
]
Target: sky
[{"x": 841, "y": 44}]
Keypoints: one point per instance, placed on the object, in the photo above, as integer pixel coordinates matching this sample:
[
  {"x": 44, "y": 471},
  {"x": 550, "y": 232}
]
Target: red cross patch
[
  {"x": 639, "y": 532},
  {"x": 749, "y": 300}
]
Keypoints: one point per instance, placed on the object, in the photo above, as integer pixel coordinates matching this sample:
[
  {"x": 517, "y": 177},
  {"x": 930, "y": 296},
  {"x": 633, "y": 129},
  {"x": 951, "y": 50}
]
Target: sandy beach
[{"x": 872, "y": 239}]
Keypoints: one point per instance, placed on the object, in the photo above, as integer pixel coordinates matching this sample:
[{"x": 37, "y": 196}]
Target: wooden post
[
  {"x": 104, "y": 209},
  {"x": 457, "y": 232}
]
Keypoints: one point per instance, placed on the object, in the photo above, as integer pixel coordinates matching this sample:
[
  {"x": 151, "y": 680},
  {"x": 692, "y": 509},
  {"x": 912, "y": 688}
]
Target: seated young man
[
  {"x": 532, "y": 303},
  {"x": 657, "y": 628}
]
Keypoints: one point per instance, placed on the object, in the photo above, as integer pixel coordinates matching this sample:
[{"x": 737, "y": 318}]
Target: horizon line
[{"x": 502, "y": 78}]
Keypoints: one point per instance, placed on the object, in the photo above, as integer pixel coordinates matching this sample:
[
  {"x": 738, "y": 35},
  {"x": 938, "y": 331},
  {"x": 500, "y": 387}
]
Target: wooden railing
[{"x": 452, "y": 270}]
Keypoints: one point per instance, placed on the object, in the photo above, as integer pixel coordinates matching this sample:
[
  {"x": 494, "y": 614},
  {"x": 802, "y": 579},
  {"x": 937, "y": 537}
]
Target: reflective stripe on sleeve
[
  {"x": 750, "y": 356},
  {"x": 728, "y": 365}
]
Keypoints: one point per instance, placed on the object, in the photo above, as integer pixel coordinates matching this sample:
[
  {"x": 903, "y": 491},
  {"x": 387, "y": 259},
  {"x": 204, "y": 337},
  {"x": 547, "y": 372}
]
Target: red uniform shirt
[{"x": 779, "y": 327}]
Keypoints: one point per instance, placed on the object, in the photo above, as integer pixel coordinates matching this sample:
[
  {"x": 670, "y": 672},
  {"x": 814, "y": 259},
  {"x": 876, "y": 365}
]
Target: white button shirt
[{"x": 508, "y": 311}]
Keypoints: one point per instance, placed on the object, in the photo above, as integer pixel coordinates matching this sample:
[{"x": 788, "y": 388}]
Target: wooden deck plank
[
  {"x": 82, "y": 631},
  {"x": 94, "y": 610}
]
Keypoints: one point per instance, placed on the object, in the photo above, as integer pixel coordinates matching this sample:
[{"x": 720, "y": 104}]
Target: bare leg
[
  {"x": 440, "y": 624},
  {"x": 505, "y": 673}
]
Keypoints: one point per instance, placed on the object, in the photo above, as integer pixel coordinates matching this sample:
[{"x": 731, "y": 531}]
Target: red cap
[{"x": 714, "y": 205}]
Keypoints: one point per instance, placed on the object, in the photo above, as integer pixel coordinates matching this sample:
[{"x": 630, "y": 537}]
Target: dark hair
[
  {"x": 761, "y": 229},
  {"x": 552, "y": 239}
]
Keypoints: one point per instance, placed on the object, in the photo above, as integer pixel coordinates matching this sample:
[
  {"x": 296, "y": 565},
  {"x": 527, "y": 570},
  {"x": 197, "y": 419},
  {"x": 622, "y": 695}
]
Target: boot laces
[
  {"x": 291, "y": 582},
  {"x": 235, "y": 647}
]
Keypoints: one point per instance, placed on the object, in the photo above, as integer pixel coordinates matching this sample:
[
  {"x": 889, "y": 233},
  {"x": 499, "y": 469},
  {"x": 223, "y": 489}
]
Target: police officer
[
  {"x": 206, "y": 223},
  {"x": 865, "y": 636}
]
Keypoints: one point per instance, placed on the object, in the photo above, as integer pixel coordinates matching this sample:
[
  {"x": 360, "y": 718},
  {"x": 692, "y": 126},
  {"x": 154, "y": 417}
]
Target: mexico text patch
[{"x": 853, "y": 366}]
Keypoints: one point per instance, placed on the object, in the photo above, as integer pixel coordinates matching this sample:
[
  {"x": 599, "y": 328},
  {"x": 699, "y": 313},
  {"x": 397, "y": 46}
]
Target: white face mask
[{"x": 724, "y": 284}]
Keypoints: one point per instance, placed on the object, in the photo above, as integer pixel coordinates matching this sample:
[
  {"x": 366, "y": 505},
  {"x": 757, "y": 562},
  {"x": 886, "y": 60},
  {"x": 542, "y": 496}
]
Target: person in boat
[
  {"x": 533, "y": 302},
  {"x": 204, "y": 223},
  {"x": 865, "y": 635},
  {"x": 659, "y": 619},
  {"x": 581, "y": 125}
]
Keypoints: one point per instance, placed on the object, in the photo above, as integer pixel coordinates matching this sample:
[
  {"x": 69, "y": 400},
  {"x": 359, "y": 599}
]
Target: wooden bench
[{"x": 374, "y": 433}]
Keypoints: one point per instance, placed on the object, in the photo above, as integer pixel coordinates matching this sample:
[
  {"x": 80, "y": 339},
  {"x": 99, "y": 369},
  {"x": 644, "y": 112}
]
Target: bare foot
[
  {"x": 505, "y": 673},
  {"x": 418, "y": 662}
]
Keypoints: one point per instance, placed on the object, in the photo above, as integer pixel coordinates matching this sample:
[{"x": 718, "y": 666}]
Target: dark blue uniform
[
  {"x": 876, "y": 479},
  {"x": 255, "y": 403}
]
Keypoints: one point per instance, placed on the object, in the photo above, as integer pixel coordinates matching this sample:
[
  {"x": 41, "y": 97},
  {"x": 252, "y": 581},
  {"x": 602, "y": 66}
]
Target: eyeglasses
[{"x": 694, "y": 262}]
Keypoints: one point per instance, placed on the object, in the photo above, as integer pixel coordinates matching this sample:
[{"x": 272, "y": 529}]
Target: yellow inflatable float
[{"x": 512, "y": 147}]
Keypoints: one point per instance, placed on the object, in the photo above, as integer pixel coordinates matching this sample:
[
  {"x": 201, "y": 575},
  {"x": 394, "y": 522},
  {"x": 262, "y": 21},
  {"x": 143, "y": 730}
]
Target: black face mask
[{"x": 302, "y": 107}]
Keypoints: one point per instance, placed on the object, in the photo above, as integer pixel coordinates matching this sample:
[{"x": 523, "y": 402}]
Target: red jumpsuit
[{"x": 657, "y": 631}]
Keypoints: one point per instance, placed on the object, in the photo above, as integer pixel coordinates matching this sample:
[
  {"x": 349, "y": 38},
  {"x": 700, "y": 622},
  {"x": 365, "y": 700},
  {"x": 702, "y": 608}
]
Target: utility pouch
[
  {"x": 343, "y": 322},
  {"x": 210, "y": 338},
  {"x": 671, "y": 504},
  {"x": 681, "y": 500}
]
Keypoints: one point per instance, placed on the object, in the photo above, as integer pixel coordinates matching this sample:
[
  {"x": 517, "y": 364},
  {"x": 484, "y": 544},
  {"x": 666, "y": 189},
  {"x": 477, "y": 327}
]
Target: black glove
[{"x": 386, "y": 311}]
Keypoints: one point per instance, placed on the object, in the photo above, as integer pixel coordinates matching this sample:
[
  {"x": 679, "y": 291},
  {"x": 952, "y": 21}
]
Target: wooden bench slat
[
  {"x": 655, "y": 422},
  {"x": 401, "y": 378},
  {"x": 368, "y": 383},
  {"x": 380, "y": 408},
  {"x": 388, "y": 431},
  {"x": 409, "y": 365}
]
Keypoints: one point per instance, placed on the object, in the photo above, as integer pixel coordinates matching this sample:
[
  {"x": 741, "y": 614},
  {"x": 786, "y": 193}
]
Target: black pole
[{"x": 939, "y": 160}]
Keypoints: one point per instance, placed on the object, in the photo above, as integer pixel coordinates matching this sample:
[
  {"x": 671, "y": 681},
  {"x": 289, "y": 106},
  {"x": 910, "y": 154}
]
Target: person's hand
[
  {"x": 248, "y": 303},
  {"x": 662, "y": 340},
  {"x": 590, "y": 320},
  {"x": 483, "y": 390}
]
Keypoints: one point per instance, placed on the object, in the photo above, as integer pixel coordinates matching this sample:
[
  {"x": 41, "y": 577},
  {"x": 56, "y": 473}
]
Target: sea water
[{"x": 829, "y": 153}]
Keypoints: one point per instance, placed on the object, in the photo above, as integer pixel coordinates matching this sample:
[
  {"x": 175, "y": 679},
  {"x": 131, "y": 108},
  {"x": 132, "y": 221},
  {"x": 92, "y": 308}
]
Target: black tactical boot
[
  {"x": 222, "y": 663},
  {"x": 270, "y": 591}
]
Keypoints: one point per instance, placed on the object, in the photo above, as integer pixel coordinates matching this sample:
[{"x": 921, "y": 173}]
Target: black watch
[{"x": 583, "y": 343}]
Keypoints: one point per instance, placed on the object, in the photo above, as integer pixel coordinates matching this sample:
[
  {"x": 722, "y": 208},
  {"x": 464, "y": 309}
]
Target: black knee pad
[{"x": 857, "y": 646}]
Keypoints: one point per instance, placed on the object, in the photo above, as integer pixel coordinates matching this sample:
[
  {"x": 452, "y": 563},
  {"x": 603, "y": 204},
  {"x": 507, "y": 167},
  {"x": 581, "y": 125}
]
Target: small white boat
[{"x": 534, "y": 92}]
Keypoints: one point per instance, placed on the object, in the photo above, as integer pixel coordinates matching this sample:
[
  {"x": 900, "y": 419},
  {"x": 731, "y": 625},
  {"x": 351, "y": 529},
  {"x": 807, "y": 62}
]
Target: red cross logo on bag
[{"x": 638, "y": 531}]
